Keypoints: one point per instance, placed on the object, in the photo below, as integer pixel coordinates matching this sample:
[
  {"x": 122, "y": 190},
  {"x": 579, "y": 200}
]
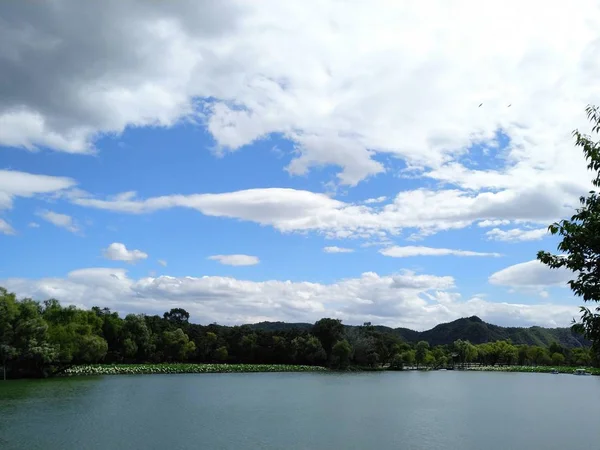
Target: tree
[
  {"x": 408, "y": 357},
  {"x": 341, "y": 352},
  {"x": 308, "y": 350},
  {"x": 537, "y": 355},
  {"x": 365, "y": 353},
  {"x": 328, "y": 331},
  {"x": 522, "y": 354},
  {"x": 75, "y": 334},
  {"x": 421, "y": 352},
  {"x": 177, "y": 345},
  {"x": 558, "y": 359},
  {"x": 467, "y": 352},
  {"x": 221, "y": 354},
  {"x": 30, "y": 339},
  {"x": 580, "y": 356},
  {"x": 397, "y": 362},
  {"x": 206, "y": 346},
  {"x": 177, "y": 316},
  {"x": 135, "y": 331},
  {"x": 8, "y": 314},
  {"x": 580, "y": 244},
  {"x": 504, "y": 352}
]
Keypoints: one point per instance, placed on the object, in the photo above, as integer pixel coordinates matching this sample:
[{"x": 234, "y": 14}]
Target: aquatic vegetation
[
  {"x": 138, "y": 369},
  {"x": 533, "y": 369}
]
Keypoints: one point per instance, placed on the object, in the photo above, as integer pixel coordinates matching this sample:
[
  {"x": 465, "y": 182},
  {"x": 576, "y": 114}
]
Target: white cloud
[
  {"x": 33, "y": 225},
  {"x": 6, "y": 228},
  {"x": 492, "y": 223},
  {"x": 236, "y": 260},
  {"x": 407, "y": 299},
  {"x": 297, "y": 210},
  {"x": 346, "y": 81},
  {"x": 162, "y": 262},
  {"x": 334, "y": 249},
  {"x": 517, "y": 234},
  {"x": 370, "y": 201},
  {"x": 60, "y": 220},
  {"x": 22, "y": 184},
  {"x": 411, "y": 250},
  {"x": 118, "y": 252},
  {"x": 531, "y": 274}
]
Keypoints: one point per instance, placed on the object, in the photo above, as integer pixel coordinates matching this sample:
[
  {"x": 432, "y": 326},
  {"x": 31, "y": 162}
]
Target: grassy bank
[
  {"x": 137, "y": 369},
  {"x": 534, "y": 369}
]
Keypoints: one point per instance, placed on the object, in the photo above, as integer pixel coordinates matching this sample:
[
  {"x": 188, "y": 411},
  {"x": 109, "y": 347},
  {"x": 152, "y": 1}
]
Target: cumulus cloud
[
  {"x": 531, "y": 274},
  {"x": 517, "y": 234},
  {"x": 418, "y": 301},
  {"x": 345, "y": 82},
  {"x": 334, "y": 249},
  {"x": 236, "y": 260},
  {"x": 411, "y": 250},
  {"x": 155, "y": 58},
  {"x": 118, "y": 252},
  {"x": 6, "y": 228},
  {"x": 60, "y": 220}
]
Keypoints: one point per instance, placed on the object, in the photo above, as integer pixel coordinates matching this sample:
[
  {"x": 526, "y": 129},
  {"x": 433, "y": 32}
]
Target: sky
[{"x": 383, "y": 161}]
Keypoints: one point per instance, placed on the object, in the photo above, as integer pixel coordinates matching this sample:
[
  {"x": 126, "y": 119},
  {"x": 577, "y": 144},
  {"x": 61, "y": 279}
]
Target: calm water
[{"x": 435, "y": 410}]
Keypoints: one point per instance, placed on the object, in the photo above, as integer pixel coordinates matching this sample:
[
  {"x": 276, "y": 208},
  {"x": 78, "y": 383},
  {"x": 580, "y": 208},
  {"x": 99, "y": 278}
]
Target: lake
[{"x": 390, "y": 410}]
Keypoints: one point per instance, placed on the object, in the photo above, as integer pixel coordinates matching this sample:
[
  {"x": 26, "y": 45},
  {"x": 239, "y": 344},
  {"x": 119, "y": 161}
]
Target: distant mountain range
[{"x": 472, "y": 329}]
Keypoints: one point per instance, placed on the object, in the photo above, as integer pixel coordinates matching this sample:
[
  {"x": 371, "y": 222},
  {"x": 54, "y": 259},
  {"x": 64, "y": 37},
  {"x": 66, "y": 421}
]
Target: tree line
[{"x": 44, "y": 338}]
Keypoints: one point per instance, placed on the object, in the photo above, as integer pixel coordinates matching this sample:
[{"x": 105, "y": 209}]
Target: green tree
[
  {"x": 537, "y": 355},
  {"x": 111, "y": 328},
  {"x": 466, "y": 351},
  {"x": 308, "y": 350},
  {"x": 580, "y": 244},
  {"x": 221, "y": 354},
  {"x": 581, "y": 356},
  {"x": 522, "y": 354},
  {"x": 74, "y": 333},
  {"x": 248, "y": 346},
  {"x": 177, "y": 345},
  {"x": 504, "y": 352},
  {"x": 558, "y": 359},
  {"x": 8, "y": 314},
  {"x": 328, "y": 331},
  {"x": 207, "y": 345},
  {"x": 177, "y": 316},
  {"x": 397, "y": 362},
  {"x": 365, "y": 350},
  {"x": 31, "y": 340},
  {"x": 429, "y": 359},
  {"x": 341, "y": 352},
  {"x": 421, "y": 351},
  {"x": 408, "y": 357},
  {"x": 136, "y": 331}
]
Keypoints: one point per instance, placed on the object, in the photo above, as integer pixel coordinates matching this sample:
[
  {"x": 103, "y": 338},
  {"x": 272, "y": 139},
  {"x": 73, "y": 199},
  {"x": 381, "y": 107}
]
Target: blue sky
[{"x": 243, "y": 181}]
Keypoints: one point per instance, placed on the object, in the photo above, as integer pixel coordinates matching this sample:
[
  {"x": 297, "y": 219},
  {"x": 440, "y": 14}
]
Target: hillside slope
[{"x": 472, "y": 329}]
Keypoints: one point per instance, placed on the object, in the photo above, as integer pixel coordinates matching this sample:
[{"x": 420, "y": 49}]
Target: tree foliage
[
  {"x": 39, "y": 339},
  {"x": 580, "y": 244}
]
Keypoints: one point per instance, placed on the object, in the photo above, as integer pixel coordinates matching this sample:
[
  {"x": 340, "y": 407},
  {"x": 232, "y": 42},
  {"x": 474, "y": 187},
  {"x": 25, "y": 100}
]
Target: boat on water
[
  {"x": 581, "y": 372},
  {"x": 555, "y": 372}
]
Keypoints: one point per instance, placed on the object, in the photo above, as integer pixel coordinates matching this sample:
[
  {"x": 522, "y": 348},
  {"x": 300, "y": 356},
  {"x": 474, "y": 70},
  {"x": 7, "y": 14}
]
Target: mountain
[{"x": 472, "y": 329}]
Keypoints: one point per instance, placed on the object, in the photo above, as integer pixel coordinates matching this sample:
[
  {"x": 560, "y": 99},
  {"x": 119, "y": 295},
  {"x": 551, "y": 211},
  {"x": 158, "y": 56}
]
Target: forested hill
[{"x": 472, "y": 329}]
